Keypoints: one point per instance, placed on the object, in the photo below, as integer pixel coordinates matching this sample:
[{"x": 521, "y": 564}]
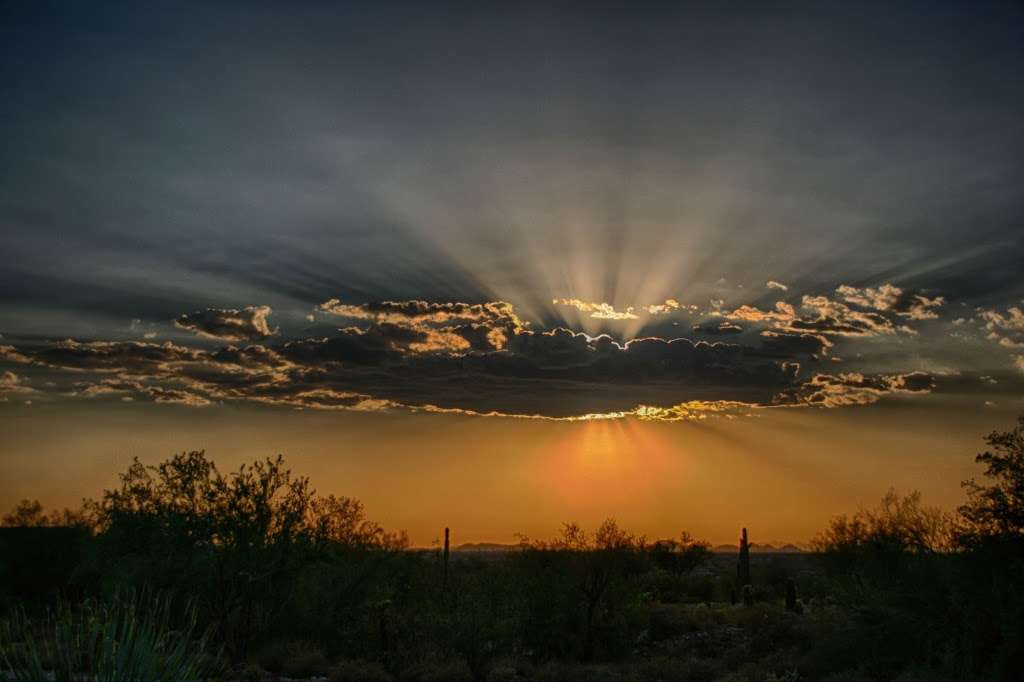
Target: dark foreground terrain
[{"x": 183, "y": 572}]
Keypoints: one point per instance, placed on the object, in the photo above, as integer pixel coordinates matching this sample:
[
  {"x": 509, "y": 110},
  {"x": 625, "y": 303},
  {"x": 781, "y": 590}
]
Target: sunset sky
[{"x": 499, "y": 268}]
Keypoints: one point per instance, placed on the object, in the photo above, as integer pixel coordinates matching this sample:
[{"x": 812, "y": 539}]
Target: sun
[{"x": 599, "y": 464}]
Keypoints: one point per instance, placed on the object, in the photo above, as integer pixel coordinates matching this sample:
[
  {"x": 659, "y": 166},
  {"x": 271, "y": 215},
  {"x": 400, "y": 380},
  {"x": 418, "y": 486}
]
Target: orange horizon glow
[{"x": 782, "y": 474}]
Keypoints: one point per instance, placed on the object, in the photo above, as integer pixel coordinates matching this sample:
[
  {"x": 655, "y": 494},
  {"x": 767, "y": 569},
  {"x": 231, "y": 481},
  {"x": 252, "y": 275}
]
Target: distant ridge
[
  {"x": 766, "y": 548},
  {"x": 483, "y": 547},
  {"x": 721, "y": 549}
]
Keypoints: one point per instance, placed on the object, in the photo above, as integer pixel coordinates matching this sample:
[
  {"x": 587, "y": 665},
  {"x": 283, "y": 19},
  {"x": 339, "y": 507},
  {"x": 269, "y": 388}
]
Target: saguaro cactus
[
  {"x": 445, "y": 578},
  {"x": 743, "y": 568}
]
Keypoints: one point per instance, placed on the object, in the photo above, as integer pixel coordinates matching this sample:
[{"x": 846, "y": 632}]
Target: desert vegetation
[{"x": 184, "y": 572}]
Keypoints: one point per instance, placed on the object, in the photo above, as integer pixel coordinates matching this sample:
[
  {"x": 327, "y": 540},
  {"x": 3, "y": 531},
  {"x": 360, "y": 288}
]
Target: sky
[{"x": 498, "y": 268}]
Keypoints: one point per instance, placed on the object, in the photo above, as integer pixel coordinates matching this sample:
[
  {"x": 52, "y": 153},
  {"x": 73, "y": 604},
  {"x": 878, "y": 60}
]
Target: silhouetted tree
[
  {"x": 890, "y": 567},
  {"x": 991, "y": 533},
  {"x": 29, "y": 513},
  {"x": 681, "y": 556},
  {"x": 235, "y": 541},
  {"x": 995, "y": 510},
  {"x": 899, "y": 524},
  {"x": 585, "y": 580}
]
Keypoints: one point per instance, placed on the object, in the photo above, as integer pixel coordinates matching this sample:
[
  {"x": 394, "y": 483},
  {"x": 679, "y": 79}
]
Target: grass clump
[{"x": 129, "y": 638}]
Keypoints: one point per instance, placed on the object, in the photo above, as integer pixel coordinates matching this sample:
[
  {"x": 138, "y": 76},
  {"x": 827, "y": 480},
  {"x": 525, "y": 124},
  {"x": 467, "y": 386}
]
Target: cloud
[
  {"x": 128, "y": 389},
  {"x": 713, "y": 328},
  {"x": 1006, "y": 329},
  {"x": 837, "y": 319},
  {"x": 694, "y": 410},
  {"x": 789, "y": 344},
  {"x": 783, "y": 314},
  {"x": 160, "y": 394},
  {"x": 859, "y": 312},
  {"x": 476, "y": 359},
  {"x": 247, "y": 324},
  {"x": 11, "y": 354},
  {"x": 255, "y": 357},
  {"x": 419, "y": 326},
  {"x": 9, "y": 381},
  {"x": 881, "y": 298},
  {"x": 668, "y": 306},
  {"x": 422, "y": 312},
  {"x": 605, "y": 311},
  {"x": 84, "y": 389},
  {"x": 772, "y": 284},
  {"x": 599, "y": 311},
  {"x": 104, "y": 356},
  {"x": 555, "y": 373},
  {"x": 329, "y": 399},
  {"x": 839, "y": 390},
  {"x": 11, "y": 384},
  {"x": 890, "y": 298}
]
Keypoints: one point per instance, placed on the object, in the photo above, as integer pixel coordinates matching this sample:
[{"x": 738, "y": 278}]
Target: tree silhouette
[
  {"x": 995, "y": 510},
  {"x": 590, "y": 571},
  {"x": 682, "y": 556},
  {"x": 232, "y": 540},
  {"x": 30, "y": 514}
]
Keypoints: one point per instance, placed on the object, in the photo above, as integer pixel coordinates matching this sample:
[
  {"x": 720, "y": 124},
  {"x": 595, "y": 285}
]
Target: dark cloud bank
[{"x": 485, "y": 359}]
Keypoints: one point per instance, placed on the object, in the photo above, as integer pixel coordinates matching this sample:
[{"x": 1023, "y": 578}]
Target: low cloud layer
[
  {"x": 481, "y": 359},
  {"x": 831, "y": 390}
]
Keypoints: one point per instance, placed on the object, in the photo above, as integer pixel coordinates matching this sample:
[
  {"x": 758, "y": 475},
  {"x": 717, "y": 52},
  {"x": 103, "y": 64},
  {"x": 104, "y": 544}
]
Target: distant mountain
[
  {"x": 766, "y": 548},
  {"x": 756, "y": 548},
  {"x": 483, "y": 547}
]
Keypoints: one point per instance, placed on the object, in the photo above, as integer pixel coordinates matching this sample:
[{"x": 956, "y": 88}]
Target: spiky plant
[
  {"x": 129, "y": 639},
  {"x": 743, "y": 567},
  {"x": 446, "y": 540}
]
